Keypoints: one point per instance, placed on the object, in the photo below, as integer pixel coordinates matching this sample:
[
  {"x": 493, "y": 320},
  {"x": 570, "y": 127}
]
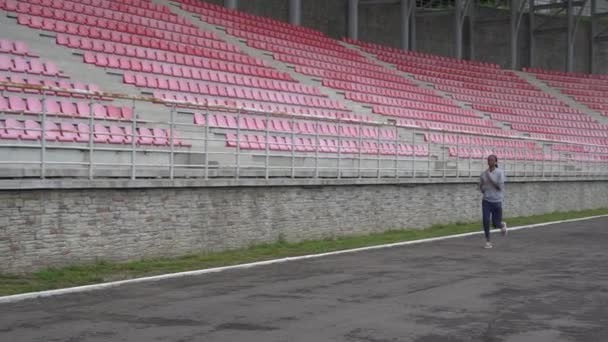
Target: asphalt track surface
[{"x": 542, "y": 284}]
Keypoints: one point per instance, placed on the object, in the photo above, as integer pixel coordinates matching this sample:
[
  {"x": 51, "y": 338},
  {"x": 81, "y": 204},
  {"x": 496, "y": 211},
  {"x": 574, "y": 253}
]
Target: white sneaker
[
  {"x": 503, "y": 230},
  {"x": 488, "y": 245}
]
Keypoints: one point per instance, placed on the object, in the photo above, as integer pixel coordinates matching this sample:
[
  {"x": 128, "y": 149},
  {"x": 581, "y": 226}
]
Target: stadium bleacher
[{"x": 460, "y": 109}]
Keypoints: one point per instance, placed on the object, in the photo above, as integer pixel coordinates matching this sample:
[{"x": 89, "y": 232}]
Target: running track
[{"x": 542, "y": 284}]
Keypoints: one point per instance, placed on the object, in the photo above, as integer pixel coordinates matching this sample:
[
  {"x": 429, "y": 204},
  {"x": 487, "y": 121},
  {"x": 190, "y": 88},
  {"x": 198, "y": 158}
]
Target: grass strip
[{"x": 55, "y": 278}]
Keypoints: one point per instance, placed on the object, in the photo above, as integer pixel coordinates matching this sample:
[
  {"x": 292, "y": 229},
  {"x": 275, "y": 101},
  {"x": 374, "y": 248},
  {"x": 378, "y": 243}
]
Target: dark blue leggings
[{"x": 493, "y": 209}]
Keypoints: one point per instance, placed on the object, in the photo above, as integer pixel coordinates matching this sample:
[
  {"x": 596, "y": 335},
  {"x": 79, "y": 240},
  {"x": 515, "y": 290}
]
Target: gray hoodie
[{"x": 490, "y": 193}]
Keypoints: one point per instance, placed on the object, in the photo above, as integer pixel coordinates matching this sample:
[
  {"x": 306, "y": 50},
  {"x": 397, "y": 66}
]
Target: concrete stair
[{"x": 562, "y": 97}]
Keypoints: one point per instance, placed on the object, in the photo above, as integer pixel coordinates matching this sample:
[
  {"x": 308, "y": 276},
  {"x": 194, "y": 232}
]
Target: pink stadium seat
[
  {"x": 145, "y": 136},
  {"x": 102, "y": 134},
  {"x": 68, "y": 133}
]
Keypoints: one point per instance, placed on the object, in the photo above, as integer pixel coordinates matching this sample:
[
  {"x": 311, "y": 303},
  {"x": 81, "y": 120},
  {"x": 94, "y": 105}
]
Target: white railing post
[
  {"x": 206, "y": 144},
  {"x": 171, "y": 136},
  {"x": 238, "y": 145},
  {"x": 134, "y": 138},
  {"x": 317, "y": 147},
  {"x": 396, "y": 151},
  {"x": 293, "y": 148},
  {"x": 267, "y": 146},
  {"x": 414, "y": 153},
  {"x": 91, "y": 132},
  {"x": 43, "y": 138},
  {"x": 339, "y": 128}
]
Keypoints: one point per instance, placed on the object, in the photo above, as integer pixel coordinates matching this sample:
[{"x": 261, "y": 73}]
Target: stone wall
[{"x": 55, "y": 227}]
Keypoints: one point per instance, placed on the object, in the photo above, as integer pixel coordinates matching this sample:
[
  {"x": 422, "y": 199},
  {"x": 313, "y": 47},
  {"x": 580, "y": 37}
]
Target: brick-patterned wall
[{"x": 41, "y": 228}]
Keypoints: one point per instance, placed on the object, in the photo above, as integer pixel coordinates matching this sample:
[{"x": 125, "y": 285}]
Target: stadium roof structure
[{"x": 539, "y": 14}]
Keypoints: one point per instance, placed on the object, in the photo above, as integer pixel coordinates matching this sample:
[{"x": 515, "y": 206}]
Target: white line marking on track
[{"x": 93, "y": 287}]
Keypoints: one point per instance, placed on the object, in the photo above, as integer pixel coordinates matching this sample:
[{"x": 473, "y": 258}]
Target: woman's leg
[
  {"x": 497, "y": 214},
  {"x": 486, "y": 208}
]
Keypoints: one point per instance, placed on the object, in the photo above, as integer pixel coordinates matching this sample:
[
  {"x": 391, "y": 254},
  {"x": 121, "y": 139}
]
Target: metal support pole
[
  {"x": 458, "y": 19},
  {"x": 514, "y": 33},
  {"x": 43, "y": 138},
  {"x": 232, "y": 4},
  {"x": 353, "y": 19},
  {"x": 406, "y": 9},
  {"x": 413, "y": 35},
  {"x": 531, "y": 42},
  {"x": 570, "y": 39},
  {"x": 295, "y": 12},
  {"x": 592, "y": 35}
]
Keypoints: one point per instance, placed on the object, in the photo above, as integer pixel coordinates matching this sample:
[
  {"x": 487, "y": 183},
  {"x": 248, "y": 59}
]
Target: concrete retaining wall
[{"x": 56, "y": 227}]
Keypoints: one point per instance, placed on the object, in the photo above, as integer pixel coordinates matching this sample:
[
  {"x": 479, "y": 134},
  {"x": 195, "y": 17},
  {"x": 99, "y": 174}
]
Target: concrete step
[{"x": 562, "y": 97}]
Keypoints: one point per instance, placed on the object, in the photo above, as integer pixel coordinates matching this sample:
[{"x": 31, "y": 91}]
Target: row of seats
[
  {"x": 324, "y": 145},
  {"x": 569, "y": 138},
  {"x": 404, "y": 103},
  {"x": 254, "y": 123},
  {"x": 193, "y": 46},
  {"x": 432, "y": 58},
  {"x": 478, "y": 94},
  {"x": 505, "y": 154},
  {"x": 30, "y": 66},
  {"x": 516, "y": 105},
  {"x": 440, "y": 81},
  {"x": 332, "y": 56},
  {"x": 184, "y": 86},
  {"x": 211, "y": 59},
  {"x": 158, "y": 13},
  {"x": 519, "y": 84},
  {"x": 95, "y": 17},
  {"x": 451, "y": 139},
  {"x": 565, "y": 74},
  {"x": 446, "y": 68},
  {"x": 73, "y": 87},
  {"x": 343, "y": 69},
  {"x": 166, "y": 69},
  {"x": 533, "y": 113},
  {"x": 66, "y": 9},
  {"x": 580, "y": 148},
  {"x": 560, "y": 130},
  {"x": 453, "y": 127},
  {"x": 12, "y": 129},
  {"x": 179, "y": 98},
  {"x": 401, "y": 91},
  {"x": 34, "y": 105},
  {"x": 436, "y": 117},
  {"x": 15, "y": 48},
  {"x": 548, "y": 122}
]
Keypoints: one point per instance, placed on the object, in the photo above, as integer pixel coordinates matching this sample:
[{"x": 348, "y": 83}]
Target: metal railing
[{"x": 213, "y": 142}]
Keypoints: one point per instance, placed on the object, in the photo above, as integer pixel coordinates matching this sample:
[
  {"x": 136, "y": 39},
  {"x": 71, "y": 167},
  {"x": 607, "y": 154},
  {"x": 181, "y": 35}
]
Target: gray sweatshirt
[{"x": 490, "y": 193}]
